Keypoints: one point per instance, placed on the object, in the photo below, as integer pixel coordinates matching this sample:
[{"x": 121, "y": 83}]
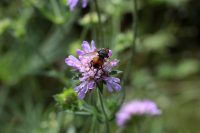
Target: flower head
[
  {"x": 136, "y": 108},
  {"x": 91, "y": 75},
  {"x": 72, "y": 4}
]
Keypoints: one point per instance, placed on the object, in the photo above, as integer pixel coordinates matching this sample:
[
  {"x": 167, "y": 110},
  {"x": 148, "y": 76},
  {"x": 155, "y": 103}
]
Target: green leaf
[
  {"x": 4, "y": 24},
  {"x": 91, "y": 18},
  {"x": 186, "y": 68},
  {"x": 115, "y": 72}
]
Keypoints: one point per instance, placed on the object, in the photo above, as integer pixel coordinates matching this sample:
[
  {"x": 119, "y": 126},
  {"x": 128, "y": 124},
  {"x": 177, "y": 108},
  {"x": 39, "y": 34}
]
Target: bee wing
[{"x": 90, "y": 55}]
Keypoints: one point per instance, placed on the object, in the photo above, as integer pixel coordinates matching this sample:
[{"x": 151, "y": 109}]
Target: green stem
[
  {"x": 78, "y": 113},
  {"x": 138, "y": 127},
  {"x": 135, "y": 35},
  {"x": 56, "y": 8},
  {"x": 134, "y": 25},
  {"x": 103, "y": 109},
  {"x": 98, "y": 12},
  {"x": 99, "y": 20},
  {"x": 93, "y": 124}
]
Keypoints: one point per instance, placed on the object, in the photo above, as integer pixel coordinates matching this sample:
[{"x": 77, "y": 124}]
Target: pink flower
[
  {"x": 136, "y": 108},
  {"x": 90, "y": 76}
]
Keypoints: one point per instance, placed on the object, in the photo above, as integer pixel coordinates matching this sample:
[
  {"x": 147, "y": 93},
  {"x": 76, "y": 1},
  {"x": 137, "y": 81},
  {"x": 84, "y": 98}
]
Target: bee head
[{"x": 103, "y": 52}]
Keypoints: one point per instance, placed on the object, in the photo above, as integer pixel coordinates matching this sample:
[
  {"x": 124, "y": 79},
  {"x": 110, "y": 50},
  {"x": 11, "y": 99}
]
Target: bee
[{"x": 98, "y": 57}]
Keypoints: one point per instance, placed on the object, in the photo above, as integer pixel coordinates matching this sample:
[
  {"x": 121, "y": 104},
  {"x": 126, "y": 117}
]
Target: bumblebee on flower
[{"x": 94, "y": 66}]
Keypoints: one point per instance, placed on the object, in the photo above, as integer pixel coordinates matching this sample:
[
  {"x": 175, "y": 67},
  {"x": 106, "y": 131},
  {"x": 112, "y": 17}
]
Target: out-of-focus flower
[
  {"x": 72, "y": 3},
  {"x": 136, "y": 108},
  {"x": 91, "y": 76}
]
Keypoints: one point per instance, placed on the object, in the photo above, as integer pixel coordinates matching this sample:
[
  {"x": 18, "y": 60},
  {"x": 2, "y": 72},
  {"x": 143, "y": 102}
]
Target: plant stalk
[
  {"x": 99, "y": 21},
  {"x": 103, "y": 109},
  {"x": 135, "y": 18}
]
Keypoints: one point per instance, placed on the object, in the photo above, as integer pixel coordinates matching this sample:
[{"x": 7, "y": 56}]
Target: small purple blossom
[
  {"x": 72, "y": 4},
  {"x": 90, "y": 76},
  {"x": 136, "y": 108}
]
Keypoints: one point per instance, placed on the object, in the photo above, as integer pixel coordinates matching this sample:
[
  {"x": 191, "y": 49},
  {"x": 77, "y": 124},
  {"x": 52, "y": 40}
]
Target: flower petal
[
  {"x": 79, "y": 52},
  {"x": 82, "y": 92},
  {"x": 86, "y": 46},
  {"x": 136, "y": 108},
  {"x": 109, "y": 86},
  {"x": 77, "y": 88},
  {"x": 110, "y": 53},
  {"x": 112, "y": 83},
  {"x": 117, "y": 80},
  {"x": 109, "y": 65},
  {"x": 84, "y": 3},
  {"x": 73, "y": 62},
  {"x": 82, "y": 89},
  {"x": 114, "y": 63},
  {"x": 72, "y": 4},
  {"x": 93, "y": 47},
  {"x": 91, "y": 85},
  {"x": 116, "y": 86}
]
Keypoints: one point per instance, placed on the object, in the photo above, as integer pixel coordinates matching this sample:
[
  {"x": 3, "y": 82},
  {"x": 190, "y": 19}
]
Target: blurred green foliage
[
  {"x": 36, "y": 36},
  {"x": 67, "y": 99}
]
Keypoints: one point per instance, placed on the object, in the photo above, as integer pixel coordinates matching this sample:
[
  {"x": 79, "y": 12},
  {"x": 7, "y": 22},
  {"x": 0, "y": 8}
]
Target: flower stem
[
  {"x": 103, "y": 109},
  {"x": 99, "y": 20},
  {"x": 135, "y": 24},
  {"x": 98, "y": 12},
  {"x": 93, "y": 125},
  {"x": 135, "y": 36},
  {"x": 134, "y": 43},
  {"x": 138, "y": 127},
  {"x": 78, "y": 112}
]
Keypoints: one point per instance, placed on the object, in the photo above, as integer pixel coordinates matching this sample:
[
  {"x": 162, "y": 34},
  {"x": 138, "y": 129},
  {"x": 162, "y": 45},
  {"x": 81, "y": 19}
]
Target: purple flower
[
  {"x": 90, "y": 75},
  {"x": 136, "y": 108},
  {"x": 72, "y": 4}
]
